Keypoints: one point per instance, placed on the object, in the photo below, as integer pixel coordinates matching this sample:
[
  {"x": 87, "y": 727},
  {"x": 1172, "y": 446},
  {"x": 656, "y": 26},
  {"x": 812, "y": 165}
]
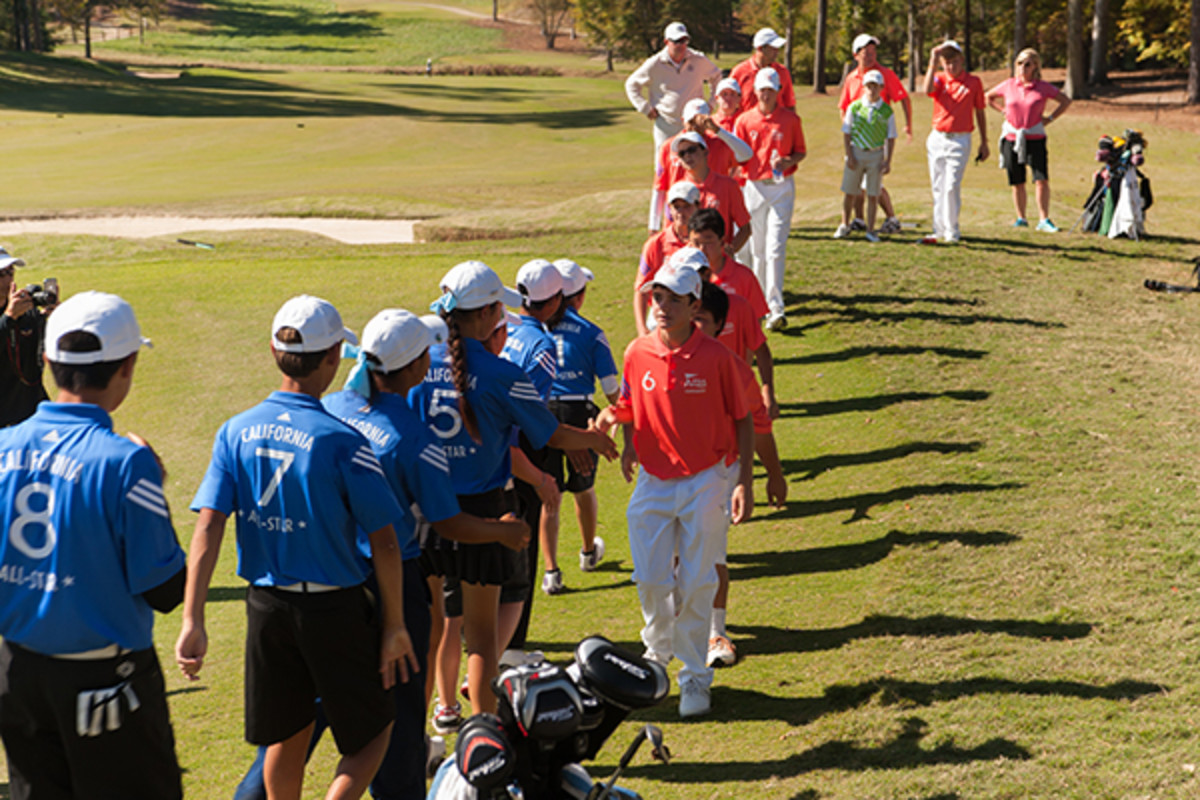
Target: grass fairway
[{"x": 984, "y": 583}]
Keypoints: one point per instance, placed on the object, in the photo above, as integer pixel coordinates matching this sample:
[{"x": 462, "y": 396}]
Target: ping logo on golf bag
[
  {"x": 626, "y": 666},
  {"x": 99, "y": 710}
]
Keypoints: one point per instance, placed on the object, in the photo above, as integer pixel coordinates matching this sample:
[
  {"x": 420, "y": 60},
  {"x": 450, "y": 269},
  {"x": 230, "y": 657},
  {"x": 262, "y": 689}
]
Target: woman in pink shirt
[{"x": 1022, "y": 101}]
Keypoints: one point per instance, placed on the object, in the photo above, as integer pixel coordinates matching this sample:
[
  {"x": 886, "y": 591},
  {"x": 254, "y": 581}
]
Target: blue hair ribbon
[
  {"x": 444, "y": 304},
  {"x": 358, "y": 380}
]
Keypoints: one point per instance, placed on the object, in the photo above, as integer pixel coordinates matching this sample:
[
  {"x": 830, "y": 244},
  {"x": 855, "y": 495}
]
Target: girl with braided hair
[{"x": 473, "y": 400}]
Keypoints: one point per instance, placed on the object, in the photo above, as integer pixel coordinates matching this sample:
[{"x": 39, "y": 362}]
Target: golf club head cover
[
  {"x": 620, "y": 677},
  {"x": 541, "y": 700},
  {"x": 483, "y": 753}
]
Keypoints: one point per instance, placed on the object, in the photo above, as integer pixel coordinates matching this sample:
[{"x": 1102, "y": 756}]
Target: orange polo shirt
[{"x": 778, "y": 131}]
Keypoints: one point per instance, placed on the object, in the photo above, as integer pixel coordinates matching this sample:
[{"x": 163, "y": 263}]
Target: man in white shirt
[{"x": 663, "y": 84}]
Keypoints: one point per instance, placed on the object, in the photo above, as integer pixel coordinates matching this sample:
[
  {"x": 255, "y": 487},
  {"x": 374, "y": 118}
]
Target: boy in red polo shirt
[
  {"x": 958, "y": 104},
  {"x": 682, "y": 199},
  {"x": 680, "y": 391}
]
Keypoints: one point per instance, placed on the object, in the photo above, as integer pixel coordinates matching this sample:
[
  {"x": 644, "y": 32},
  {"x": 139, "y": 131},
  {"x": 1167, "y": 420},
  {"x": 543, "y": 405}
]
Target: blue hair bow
[
  {"x": 358, "y": 380},
  {"x": 444, "y": 304}
]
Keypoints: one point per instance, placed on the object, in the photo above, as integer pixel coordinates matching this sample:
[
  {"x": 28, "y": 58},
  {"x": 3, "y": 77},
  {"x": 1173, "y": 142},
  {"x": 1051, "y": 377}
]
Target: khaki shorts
[{"x": 870, "y": 164}]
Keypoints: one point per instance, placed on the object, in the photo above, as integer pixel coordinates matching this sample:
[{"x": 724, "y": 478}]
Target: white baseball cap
[
  {"x": 861, "y": 41},
  {"x": 575, "y": 277},
  {"x": 680, "y": 280},
  {"x": 687, "y": 136},
  {"x": 7, "y": 260},
  {"x": 767, "y": 78},
  {"x": 766, "y": 37},
  {"x": 873, "y": 76},
  {"x": 317, "y": 321},
  {"x": 729, "y": 83},
  {"x": 676, "y": 31},
  {"x": 106, "y": 316},
  {"x": 507, "y": 320},
  {"x": 471, "y": 285},
  {"x": 689, "y": 257},
  {"x": 539, "y": 280},
  {"x": 397, "y": 338},
  {"x": 695, "y": 106},
  {"x": 437, "y": 327},
  {"x": 953, "y": 45},
  {"x": 684, "y": 190}
]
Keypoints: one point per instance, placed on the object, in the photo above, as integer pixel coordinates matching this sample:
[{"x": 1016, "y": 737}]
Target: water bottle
[{"x": 776, "y": 172}]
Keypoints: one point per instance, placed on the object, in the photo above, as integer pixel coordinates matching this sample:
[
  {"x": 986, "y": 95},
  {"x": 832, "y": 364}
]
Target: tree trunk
[
  {"x": 966, "y": 42},
  {"x": 495, "y": 10},
  {"x": 1020, "y": 22},
  {"x": 1099, "y": 67},
  {"x": 819, "y": 47},
  {"x": 87, "y": 32},
  {"x": 1193, "y": 87},
  {"x": 1076, "y": 87},
  {"x": 914, "y": 57},
  {"x": 608, "y": 57}
]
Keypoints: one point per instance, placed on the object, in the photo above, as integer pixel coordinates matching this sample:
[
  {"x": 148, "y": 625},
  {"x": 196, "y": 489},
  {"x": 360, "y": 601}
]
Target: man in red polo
[
  {"x": 866, "y": 59},
  {"x": 767, "y": 44}
]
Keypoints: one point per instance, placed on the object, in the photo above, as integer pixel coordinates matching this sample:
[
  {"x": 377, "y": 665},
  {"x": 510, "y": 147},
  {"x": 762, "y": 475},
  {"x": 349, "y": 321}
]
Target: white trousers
[
  {"x": 689, "y": 517},
  {"x": 663, "y": 130},
  {"x": 770, "y": 205},
  {"x": 948, "y": 154}
]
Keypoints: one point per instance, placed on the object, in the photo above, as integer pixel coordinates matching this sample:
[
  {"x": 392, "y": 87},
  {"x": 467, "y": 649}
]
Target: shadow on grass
[
  {"x": 839, "y": 558},
  {"x": 806, "y": 469},
  {"x": 875, "y": 402},
  {"x": 763, "y": 639},
  {"x": 904, "y": 751},
  {"x": 226, "y": 594},
  {"x": 861, "y": 504},
  {"x": 847, "y": 312},
  {"x": 80, "y": 88},
  {"x": 243, "y": 20},
  {"x": 186, "y": 690},
  {"x": 851, "y": 353}
]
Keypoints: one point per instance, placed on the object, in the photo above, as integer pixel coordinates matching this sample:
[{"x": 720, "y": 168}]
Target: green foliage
[{"x": 1154, "y": 32}]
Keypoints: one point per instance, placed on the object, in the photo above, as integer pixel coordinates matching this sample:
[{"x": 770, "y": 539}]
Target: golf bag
[
  {"x": 549, "y": 719},
  {"x": 1121, "y": 193}
]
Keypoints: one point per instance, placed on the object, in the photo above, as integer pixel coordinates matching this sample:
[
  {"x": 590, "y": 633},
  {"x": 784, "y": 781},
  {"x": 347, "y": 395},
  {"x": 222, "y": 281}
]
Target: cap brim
[
  {"x": 511, "y": 298},
  {"x": 5, "y": 263},
  {"x": 349, "y": 336}
]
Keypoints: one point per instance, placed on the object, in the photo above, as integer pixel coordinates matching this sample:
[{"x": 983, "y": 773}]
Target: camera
[{"x": 43, "y": 294}]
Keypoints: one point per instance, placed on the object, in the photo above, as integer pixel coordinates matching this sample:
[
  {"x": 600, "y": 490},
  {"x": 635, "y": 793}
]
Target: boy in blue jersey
[
  {"x": 304, "y": 486},
  {"x": 584, "y": 356},
  {"x": 87, "y": 555},
  {"x": 531, "y": 348}
]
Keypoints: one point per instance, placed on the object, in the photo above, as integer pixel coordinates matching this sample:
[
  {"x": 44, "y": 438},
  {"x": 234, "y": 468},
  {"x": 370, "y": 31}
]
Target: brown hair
[
  {"x": 458, "y": 369},
  {"x": 298, "y": 365},
  {"x": 77, "y": 377}
]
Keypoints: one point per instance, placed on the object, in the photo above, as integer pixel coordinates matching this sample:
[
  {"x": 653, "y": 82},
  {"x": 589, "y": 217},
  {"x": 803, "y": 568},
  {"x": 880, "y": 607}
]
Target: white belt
[
  {"x": 952, "y": 134},
  {"x": 99, "y": 654},
  {"x": 571, "y": 398},
  {"x": 308, "y": 587}
]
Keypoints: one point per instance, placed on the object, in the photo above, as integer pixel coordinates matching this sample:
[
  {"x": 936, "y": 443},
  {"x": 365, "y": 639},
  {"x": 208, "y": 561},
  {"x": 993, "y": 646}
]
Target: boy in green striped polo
[{"x": 869, "y": 132}]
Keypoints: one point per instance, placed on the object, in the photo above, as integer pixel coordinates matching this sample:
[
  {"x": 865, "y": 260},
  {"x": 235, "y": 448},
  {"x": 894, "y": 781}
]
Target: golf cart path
[{"x": 347, "y": 231}]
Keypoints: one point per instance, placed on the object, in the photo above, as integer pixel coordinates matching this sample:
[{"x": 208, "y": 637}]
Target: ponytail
[{"x": 458, "y": 369}]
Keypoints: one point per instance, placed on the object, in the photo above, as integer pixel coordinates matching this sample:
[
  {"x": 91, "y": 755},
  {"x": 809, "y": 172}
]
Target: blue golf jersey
[
  {"x": 413, "y": 461},
  {"x": 531, "y": 348},
  {"x": 306, "y": 488},
  {"x": 583, "y": 356},
  {"x": 502, "y": 398},
  {"x": 86, "y": 531}
]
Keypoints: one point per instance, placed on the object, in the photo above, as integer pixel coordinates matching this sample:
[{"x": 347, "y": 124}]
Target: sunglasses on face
[{"x": 684, "y": 152}]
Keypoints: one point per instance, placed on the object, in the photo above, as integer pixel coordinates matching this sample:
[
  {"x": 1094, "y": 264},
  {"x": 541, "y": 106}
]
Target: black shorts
[
  {"x": 576, "y": 413},
  {"x": 488, "y": 564},
  {"x": 1037, "y": 159},
  {"x": 303, "y": 646},
  {"x": 125, "y": 749},
  {"x": 515, "y": 584}
]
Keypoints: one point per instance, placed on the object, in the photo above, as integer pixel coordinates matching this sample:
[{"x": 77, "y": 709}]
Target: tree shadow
[
  {"x": 762, "y": 639},
  {"x": 860, "y": 504},
  {"x": 99, "y": 89},
  {"x": 807, "y": 469},
  {"x": 877, "y": 402},
  {"x": 241, "y": 20},
  {"x": 860, "y": 299},
  {"x": 904, "y": 751},
  {"x": 843, "y": 557},
  {"x": 226, "y": 594},
  {"x": 851, "y": 353},
  {"x": 852, "y": 315}
]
